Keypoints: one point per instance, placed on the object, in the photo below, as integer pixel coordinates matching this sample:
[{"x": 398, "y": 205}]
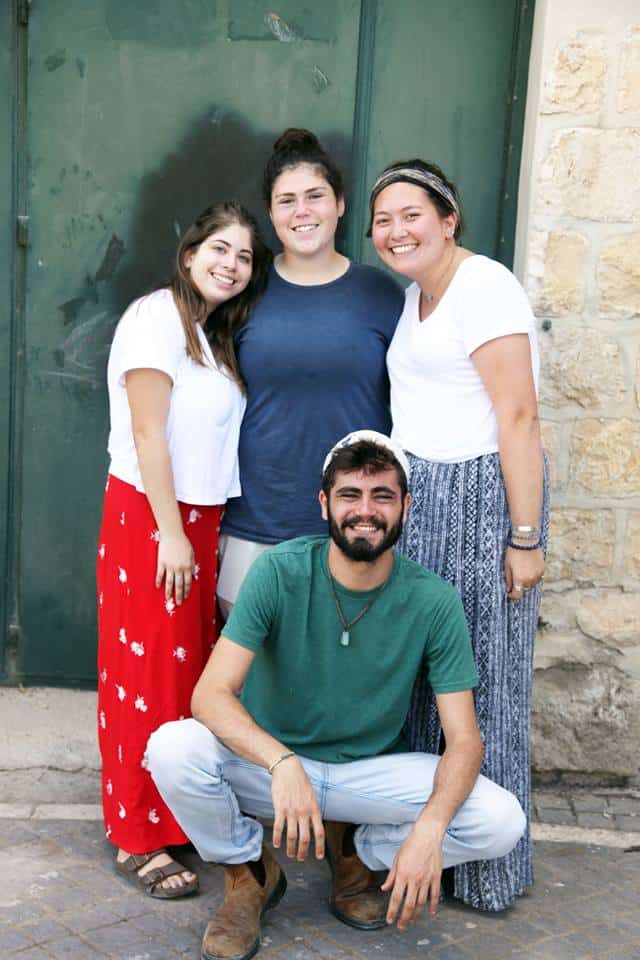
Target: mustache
[{"x": 371, "y": 521}]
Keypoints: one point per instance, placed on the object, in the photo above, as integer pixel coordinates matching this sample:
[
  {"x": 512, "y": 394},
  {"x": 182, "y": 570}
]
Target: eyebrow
[
  {"x": 228, "y": 245},
  {"x": 410, "y": 206},
  {"x": 290, "y": 193},
  {"x": 380, "y": 489}
]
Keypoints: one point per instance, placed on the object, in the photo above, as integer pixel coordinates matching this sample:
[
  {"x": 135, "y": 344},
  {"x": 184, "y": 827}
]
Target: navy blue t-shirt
[{"x": 313, "y": 358}]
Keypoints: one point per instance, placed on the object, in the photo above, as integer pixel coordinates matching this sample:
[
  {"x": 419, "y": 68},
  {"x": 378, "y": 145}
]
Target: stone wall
[{"x": 579, "y": 257}]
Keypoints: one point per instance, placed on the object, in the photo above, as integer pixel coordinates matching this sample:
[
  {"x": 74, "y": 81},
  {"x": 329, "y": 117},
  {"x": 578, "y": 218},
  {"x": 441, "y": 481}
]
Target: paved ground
[
  {"x": 604, "y": 809},
  {"x": 60, "y": 899}
]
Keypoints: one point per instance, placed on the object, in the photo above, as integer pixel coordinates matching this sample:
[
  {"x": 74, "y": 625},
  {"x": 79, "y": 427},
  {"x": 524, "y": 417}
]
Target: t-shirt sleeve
[
  {"x": 150, "y": 336},
  {"x": 448, "y": 653},
  {"x": 491, "y": 304},
  {"x": 253, "y": 613}
]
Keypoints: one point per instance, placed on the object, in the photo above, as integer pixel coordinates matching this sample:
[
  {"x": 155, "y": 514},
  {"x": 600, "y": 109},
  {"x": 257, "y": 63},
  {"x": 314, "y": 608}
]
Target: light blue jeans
[{"x": 215, "y": 794}]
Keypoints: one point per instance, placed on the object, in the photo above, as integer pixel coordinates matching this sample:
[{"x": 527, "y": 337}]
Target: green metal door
[{"x": 135, "y": 117}]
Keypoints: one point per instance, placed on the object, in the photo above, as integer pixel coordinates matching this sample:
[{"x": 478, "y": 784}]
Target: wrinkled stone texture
[
  {"x": 577, "y": 81},
  {"x": 605, "y": 457},
  {"x": 583, "y": 273},
  {"x": 619, "y": 276},
  {"x": 583, "y": 366},
  {"x": 562, "y": 287},
  {"x": 586, "y": 718},
  {"x": 592, "y": 174},
  {"x": 581, "y": 544},
  {"x": 632, "y": 546},
  {"x": 551, "y": 444},
  {"x": 611, "y": 616},
  {"x": 629, "y": 86}
]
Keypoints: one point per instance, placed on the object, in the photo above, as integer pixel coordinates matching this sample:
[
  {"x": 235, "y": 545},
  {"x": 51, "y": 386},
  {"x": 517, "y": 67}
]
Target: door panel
[
  {"x": 138, "y": 116},
  {"x": 441, "y": 76}
]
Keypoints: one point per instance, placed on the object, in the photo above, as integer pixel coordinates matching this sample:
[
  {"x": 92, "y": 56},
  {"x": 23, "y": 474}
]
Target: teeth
[
  {"x": 222, "y": 279},
  {"x": 306, "y": 228},
  {"x": 404, "y": 248}
]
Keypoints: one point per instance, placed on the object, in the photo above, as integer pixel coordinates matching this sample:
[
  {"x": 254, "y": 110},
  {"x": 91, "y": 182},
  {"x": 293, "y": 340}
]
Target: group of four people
[{"x": 340, "y": 690}]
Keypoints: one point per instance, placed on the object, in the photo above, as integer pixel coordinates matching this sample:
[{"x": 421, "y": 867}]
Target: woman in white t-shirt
[
  {"x": 176, "y": 402},
  {"x": 463, "y": 366}
]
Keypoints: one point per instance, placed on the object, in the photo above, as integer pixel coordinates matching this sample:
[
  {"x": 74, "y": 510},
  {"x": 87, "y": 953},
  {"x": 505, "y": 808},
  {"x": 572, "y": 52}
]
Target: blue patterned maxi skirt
[{"x": 458, "y": 526}]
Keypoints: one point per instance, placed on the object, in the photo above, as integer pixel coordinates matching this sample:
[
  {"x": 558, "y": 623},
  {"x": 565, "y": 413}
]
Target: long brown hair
[{"x": 221, "y": 324}]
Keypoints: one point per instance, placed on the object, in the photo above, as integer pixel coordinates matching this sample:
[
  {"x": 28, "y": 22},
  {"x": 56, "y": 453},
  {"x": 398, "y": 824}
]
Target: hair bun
[{"x": 296, "y": 138}]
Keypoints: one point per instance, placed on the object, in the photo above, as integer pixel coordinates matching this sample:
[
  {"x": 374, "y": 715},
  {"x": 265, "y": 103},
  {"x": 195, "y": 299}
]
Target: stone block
[
  {"x": 581, "y": 365},
  {"x": 581, "y": 544},
  {"x": 627, "y": 805},
  {"x": 561, "y": 287},
  {"x": 629, "y": 82},
  {"x": 610, "y": 616},
  {"x": 595, "y": 821},
  {"x": 605, "y": 457},
  {"x": 632, "y": 546},
  {"x": 586, "y": 719},
  {"x": 563, "y": 818},
  {"x": 619, "y": 277},
  {"x": 550, "y": 801},
  {"x": 568, "y": 649},
  {"x": 577, "y": 80},
  {"x": 551, "y": 439},
  {"x": 630, "y": 824},
  {"x": 589, "y": 803},
  {"x": 592, "y": 174}
]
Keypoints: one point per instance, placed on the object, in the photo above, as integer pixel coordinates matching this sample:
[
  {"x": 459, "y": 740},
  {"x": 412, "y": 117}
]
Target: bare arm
[
  {"x": 149, "y": 394},
  {"x": 215, "y": 704},
  {"x": 415, "y": 872},
  {"x": 504, "y": 364}
]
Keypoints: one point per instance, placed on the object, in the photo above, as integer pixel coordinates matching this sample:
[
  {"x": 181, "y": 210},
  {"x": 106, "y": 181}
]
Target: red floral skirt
[{"x": 150, "y": 655}]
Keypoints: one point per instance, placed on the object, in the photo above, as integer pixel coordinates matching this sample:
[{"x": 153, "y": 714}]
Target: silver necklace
[
  {"x": 430, "y": 297},
  {"x": 346, "y": 626}
]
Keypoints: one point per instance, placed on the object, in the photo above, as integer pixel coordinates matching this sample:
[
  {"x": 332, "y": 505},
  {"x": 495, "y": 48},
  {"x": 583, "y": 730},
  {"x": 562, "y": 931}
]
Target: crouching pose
[{"x": 299, "y": 715}]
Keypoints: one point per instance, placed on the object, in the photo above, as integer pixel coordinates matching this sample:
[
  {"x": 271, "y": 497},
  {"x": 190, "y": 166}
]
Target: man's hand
[
  {"x": 296, "y": 807},
  {"x": 415, "y": 875}
]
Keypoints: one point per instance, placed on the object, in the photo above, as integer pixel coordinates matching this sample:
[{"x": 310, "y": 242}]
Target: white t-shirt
[
  {"x": 439, "y": 405},
  {"x": 205, "y": 409}
]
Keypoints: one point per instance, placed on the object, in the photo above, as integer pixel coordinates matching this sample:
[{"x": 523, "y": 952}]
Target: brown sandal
[{"x": 151, "y": 881}]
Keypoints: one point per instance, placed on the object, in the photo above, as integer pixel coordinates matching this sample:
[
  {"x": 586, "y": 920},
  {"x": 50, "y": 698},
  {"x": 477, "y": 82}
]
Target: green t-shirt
[{"x": 340, "y": 703}]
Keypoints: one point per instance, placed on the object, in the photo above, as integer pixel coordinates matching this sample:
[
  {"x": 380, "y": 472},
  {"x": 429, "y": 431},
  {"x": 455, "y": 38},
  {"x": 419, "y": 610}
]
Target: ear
[
  {"x": 340, "y": 207},
  {"x": 323, "y": 505},
  {"x": 407, "y": 504},
  {"x": 449, "y": 224},
  {"x": 188, "y": 259}
]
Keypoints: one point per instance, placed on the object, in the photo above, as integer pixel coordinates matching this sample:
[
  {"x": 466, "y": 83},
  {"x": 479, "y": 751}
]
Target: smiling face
[
  {"x": 408, "y": 232},
  {"x": 305, "y": 211},
  {"x": 365, "y": 512},
  {"x": 220, "y": 267}
]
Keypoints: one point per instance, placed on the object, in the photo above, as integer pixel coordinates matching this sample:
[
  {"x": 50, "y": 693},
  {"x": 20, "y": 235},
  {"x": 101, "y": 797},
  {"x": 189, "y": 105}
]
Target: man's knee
[
  {"x": 507, "y": 823},
  {"x": 175, "y": 749}
]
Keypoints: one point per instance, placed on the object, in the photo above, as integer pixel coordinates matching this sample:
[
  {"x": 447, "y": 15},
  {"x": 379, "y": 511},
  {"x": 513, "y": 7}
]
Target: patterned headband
[{"x": 422, "y": 178}]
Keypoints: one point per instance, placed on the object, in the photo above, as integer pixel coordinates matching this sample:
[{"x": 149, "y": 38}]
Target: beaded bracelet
[{"x": 521, "y": 546}]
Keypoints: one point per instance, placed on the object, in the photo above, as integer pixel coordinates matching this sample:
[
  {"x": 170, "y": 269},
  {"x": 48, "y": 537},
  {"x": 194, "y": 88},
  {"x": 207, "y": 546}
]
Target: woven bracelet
[{"x": 521, "y": 546}]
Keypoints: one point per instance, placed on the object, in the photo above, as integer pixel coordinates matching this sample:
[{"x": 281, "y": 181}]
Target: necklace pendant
[
  {"x": 344, "y": 638},
  {"x": 428, "y": 297}
]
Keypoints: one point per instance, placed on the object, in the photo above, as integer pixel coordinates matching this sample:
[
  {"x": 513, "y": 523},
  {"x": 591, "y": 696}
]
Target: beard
[{"x": 360, "y": 549}]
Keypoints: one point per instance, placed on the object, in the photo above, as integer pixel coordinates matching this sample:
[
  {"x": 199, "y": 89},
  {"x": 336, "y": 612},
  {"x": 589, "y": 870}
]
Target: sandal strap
[
  {"x": 136, "y": 860},
  {"x": 158, "y": 874}
]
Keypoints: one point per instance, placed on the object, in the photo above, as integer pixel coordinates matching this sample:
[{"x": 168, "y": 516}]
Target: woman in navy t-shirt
[{"x": 312, "y": 356}]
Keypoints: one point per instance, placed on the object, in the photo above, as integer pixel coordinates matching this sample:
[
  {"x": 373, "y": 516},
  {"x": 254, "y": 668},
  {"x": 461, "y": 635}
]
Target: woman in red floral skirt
[{"x": 176, "y": 402}]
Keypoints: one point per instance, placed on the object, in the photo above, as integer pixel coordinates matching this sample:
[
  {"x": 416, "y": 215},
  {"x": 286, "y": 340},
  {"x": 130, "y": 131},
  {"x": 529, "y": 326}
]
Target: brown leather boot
[
  {"x": 356, "y": 897},
  {"x": 234, "y": 932}
]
